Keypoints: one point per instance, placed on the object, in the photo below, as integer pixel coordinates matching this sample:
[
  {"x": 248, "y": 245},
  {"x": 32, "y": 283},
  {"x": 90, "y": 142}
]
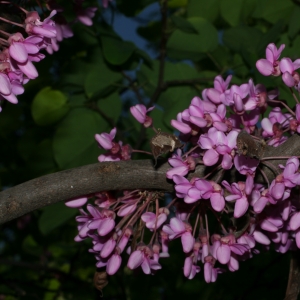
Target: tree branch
[
  {"x": 293, "y": 287},
  {"x": 106, "y": 176},
  {"x": 162, "y": 50}
]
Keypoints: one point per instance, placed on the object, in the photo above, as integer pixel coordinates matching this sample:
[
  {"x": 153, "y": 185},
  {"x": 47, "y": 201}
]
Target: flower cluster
[
  {"x": 18, "y": 52},
  {"x": 229, "y": 150}
]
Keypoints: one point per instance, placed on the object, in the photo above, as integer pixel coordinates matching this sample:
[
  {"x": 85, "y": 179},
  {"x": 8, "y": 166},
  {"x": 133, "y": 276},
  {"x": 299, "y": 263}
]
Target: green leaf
[
  {"x": 294, "y": 24},
  {"x": 75, "y": 71},
  {"x": 273, "y": 11},
  {"x": 173, "y": 71},
  {"x": 183, "y": 25},
  {"x": 242, "y": 37},
  {"x": 100, "y": 80},
  {"x": 54, "y": 216},
  {"x": 49, "y": 106},
  {"x": 74, "y": 143},
  {"x": 192, "y": 46},
  {"x": 174, "y": 99},
  {"x": 116, "y": 51},
  {"x": 208, "y": 10},
  {"x": 111, "y": 106},
  {"x": 270, "y": 36},
  {"x": 231, "y": 11}
]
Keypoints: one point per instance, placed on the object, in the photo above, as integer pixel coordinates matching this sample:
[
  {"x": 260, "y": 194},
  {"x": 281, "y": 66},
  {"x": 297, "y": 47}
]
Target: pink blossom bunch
[
  {"x": 284, "y": 67},
  {"x": 116, "y": 151},
  {"x": 230, "y": 148},
  {"x": 16, "y": 67},
  {"x": 17, "y": 53}
]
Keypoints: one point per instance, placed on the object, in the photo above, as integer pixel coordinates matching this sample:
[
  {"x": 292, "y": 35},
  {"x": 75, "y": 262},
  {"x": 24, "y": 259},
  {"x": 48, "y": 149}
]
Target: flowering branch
[{"x": 106, "y": 176}]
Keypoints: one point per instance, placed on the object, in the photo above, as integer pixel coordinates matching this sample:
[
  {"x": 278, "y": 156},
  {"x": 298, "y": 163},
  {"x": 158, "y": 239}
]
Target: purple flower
[
  {"x": 218, "y": 144},
  {"x": 178, "y": 228},
  {"x": 105, "y": 140},
  {"x": 142, "y": 257},
  {"x": 102, "y": 220},
  {"x": 152, "y": 222},
  {"x": 202, "y": 189},
  {"x": 139, "y": 112},
  {"x": 270, "y": 66},
  {"x": 85, "y": 15},
  {"x": 228, "y": 97},
  {"x": 34, "y": 26},
  {"x": 113, "y": 263},
  {"x": 180, "y": 167},
  {"x": 287, "y": 67},
  {"x": 6, "y": 89},
  {"x": 76, "y": 202},
  {"x": 181, "y": 124},
  {"x": 190, "y": 269},
  {"x": 220, "y": 86},
  {"x": 227, "y": 246},
  {"x": 210, "y": 273},
  {"x": 238, "y": 195}
]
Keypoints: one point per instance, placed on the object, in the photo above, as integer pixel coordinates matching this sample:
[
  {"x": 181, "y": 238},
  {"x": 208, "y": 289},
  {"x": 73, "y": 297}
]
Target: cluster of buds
[
  {"x": 248, "y": 213},
  {"x": 19, "y": 50}
]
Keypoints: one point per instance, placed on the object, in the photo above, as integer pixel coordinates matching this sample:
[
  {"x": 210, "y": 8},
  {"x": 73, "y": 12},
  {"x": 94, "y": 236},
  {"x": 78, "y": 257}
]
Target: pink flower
[
  {"x": 113, "y": 263},
  {"x": 203, "y": 189},
  {"x": 105, "y": 140},
  {"x": 63, "y": 29},
  {"x": 182, "y": 185},
  {"x": 85, "y": 15},
  {"x": 101, "y": 219},
  {"x": 241, "y": 91},
  {"x": 35, "y": 26},
  {"x": 142, "y": 257},
  {"x": 181, "y": 124},
  {"x": 270, "y": 66},
  {"x": 178, "y": 228},
  {"x": 180, "y": 167},
  {"x": 238, "y": 194},
  {"x": 218, "y": 144},
  {"x": 6, "y": 89},
  {"x": 287, "y": 67},
  {"x": 139, "y": 112},
  {"x": 226, "y": 246},
  {"x": 210, "y": 273},
  {"x": 76, "y": 202},
  {"x": 220, "y": 86},
  {"x": 190, "y": 269},
  {"x": 152, "y": 222},
  {"x": 20, "y": 48}
]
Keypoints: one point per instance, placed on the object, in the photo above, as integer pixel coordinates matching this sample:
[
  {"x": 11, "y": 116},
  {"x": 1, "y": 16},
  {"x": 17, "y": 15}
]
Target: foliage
[{"x": 87, "y": 88}]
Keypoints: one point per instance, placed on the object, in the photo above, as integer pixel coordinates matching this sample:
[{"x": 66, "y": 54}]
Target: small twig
[
  {"x": 132, "y": 84},
  {"x": 162, "y": 50},
  {"x": 108, "y": 119},
  {"x": 295, "y": 97}
]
